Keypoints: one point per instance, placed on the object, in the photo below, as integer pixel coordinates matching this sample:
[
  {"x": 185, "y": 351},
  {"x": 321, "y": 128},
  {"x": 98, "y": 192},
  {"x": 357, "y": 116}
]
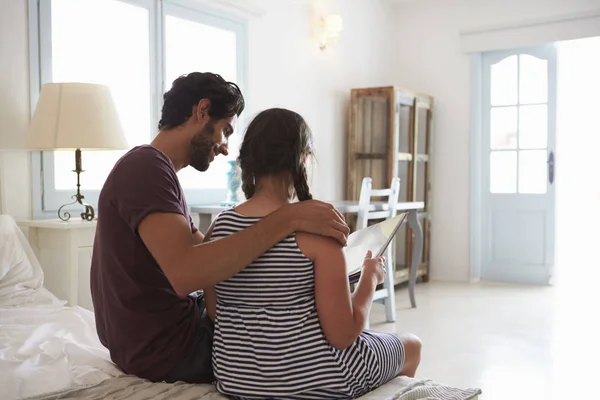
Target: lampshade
[{"x": 71, "y": 116}]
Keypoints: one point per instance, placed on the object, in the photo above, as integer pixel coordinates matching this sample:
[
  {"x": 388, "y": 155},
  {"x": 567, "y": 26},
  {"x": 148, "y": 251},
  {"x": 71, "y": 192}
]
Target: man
[{"x": 148, "y": 256}]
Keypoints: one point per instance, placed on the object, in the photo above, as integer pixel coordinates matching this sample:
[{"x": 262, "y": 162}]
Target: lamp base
[{"x": 88, "y": 214}]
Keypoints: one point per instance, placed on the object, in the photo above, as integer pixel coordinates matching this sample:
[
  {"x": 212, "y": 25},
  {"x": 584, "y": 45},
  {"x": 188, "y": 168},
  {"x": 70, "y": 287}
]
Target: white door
[{"x": 519, "y": 120}]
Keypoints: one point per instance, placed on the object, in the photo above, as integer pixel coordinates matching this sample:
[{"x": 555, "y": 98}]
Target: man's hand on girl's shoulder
[{"x": 320, "y": 218}]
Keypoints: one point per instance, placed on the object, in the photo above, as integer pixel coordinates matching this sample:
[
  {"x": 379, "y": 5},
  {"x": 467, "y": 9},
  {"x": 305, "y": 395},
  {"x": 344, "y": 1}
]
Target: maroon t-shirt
[{"x": 145, "y": 325}]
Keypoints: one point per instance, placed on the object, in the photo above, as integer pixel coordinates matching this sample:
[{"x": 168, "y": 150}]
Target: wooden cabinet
[{"x": 390, "y": 134}]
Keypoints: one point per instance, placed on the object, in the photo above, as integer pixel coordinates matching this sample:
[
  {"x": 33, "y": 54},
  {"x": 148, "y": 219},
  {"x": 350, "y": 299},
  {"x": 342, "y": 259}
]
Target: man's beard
[{"x": 201, "y": 148}]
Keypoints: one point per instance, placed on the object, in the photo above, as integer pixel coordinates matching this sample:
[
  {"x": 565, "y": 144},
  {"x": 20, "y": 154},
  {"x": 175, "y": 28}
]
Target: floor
[{"x": 511, "y": 341}]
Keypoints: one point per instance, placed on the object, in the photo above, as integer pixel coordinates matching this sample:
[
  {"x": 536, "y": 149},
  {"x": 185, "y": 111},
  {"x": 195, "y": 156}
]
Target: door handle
[{"x": 551, "y": 167}]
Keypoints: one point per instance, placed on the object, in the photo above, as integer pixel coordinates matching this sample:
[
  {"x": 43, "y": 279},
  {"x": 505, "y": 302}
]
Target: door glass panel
[
  {"x": 376, "y": 127},
  {"x": 533, "y": 127},
  {"x": 503, "y": 171},
  {"x": 405, "y": 132},
  {"x": 503, "y": 128},
  {"x": 403, "y": 175},
  {"x": 373, "y": 126},
  {"x": 532, "y": 171},
  {"x": 421, "y": 184},
  {"x": 218, "y": 55},
  {"x": 533, "y": 80},
  {"x": 503, "y": 82}
]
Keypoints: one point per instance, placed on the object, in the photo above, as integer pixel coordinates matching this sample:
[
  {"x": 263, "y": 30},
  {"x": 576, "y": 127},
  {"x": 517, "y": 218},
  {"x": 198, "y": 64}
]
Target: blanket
[{"x": 133, "y": 388}]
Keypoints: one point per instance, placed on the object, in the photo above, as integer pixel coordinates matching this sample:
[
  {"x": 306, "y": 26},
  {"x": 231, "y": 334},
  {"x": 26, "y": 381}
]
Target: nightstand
[{"x": 64, "y": 250}]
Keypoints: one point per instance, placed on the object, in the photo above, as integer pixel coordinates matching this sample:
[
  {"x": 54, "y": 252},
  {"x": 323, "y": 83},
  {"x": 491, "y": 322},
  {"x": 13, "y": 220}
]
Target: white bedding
[
  {"x": 52, "y": 351},
  {"x": 44, "y": 345},
  {"x": 47, "y": 347}
]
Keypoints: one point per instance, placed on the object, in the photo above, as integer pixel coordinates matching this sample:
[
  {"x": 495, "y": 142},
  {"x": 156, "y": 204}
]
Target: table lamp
[{"x": 76, "y": 116}]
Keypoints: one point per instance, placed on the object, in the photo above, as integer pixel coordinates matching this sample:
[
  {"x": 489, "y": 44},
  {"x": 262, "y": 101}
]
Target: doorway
[
  {"x": 537, "y": 193},
  {"x": 578, "y": 163}
]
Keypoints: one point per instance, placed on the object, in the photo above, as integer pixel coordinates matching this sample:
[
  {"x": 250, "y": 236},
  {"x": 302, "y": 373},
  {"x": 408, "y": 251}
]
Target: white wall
[
  {"x": 428, "y": 58},
  {"x": 286, "y": 68},
  {"x": 15, "y": 176}
]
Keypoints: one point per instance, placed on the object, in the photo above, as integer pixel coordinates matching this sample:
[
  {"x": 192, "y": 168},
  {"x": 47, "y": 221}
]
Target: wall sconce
[{"x": 331, "y": 29}]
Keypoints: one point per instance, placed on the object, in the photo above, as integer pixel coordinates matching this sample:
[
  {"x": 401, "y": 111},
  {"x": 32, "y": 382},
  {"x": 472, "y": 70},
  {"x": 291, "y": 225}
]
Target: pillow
[{"x": 20, "y": 272}]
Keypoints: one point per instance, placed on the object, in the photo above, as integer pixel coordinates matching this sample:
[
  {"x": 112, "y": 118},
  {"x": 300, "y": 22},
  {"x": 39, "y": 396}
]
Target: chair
[{"x": 385, "y": 295}]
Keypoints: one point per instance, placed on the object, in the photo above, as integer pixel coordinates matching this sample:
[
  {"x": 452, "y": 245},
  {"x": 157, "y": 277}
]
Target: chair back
[{"x": 365, "y": 212}]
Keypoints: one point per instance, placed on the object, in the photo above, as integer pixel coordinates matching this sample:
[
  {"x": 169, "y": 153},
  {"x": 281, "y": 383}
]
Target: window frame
[{"x": 45, "y": 198}]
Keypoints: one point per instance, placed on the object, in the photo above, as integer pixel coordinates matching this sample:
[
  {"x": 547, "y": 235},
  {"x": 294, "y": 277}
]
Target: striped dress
[{"x": 268, "y": 342}]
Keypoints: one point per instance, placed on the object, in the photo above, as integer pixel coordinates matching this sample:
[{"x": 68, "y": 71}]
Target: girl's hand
[{"x": 374, "y": 266}]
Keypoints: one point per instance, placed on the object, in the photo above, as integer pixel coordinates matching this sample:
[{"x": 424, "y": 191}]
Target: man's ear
[{"x": 202, "y": 110}]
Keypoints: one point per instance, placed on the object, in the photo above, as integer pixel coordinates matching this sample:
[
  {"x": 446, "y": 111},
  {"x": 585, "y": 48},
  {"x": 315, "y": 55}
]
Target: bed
[{"x": 49, "y": 350}]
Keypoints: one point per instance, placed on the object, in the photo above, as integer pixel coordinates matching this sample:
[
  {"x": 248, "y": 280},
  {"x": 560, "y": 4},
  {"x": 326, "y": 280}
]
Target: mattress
[
  {"x": 132, "y": 388},
  {"x": 50, "y": 351}
]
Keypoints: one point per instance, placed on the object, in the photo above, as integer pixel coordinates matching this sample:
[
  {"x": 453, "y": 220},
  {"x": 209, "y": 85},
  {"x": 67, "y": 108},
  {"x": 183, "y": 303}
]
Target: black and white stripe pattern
[{"x": 268, "y": 342}]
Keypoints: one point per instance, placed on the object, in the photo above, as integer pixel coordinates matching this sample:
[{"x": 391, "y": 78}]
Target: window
[
  {"x": 122, "y": 44},
  {"x": 221, "y": 54},
  {"x": 517, "y": 119}
]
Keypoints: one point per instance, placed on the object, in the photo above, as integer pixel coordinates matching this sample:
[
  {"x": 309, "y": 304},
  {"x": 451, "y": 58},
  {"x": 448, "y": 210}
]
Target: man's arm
[{"x": 190, "y": 266}]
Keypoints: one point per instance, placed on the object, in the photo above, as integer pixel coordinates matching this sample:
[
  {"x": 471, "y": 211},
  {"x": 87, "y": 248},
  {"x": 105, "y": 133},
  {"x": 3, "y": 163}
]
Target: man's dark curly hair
[{"x": 226, "y": 99}]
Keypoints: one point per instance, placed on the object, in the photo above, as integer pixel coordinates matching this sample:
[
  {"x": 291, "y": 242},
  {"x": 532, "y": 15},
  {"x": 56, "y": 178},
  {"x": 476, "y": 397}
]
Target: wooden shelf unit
[{"x": 390, "y": 134}]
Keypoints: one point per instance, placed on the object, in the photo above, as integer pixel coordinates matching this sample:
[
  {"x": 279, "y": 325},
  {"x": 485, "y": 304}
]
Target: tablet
[{"x": 375, "y": 238}]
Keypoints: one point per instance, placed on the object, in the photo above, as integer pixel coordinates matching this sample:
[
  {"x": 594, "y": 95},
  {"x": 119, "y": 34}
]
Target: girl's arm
[{"x": 342, "y": 314}]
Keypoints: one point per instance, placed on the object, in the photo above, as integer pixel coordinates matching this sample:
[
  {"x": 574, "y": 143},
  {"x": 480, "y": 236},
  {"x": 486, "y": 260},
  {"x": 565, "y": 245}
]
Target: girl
[{"x": 287, "y": 326}]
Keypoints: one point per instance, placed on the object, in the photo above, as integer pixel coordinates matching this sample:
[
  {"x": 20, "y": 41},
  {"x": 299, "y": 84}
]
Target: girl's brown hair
[{"x": 277, "y": 140}]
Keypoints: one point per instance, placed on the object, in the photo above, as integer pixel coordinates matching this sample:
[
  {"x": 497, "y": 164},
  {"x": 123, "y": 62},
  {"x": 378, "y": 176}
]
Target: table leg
[
  {"x": 417, "y": 252},
  {"x": 204, "y": 222}
]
